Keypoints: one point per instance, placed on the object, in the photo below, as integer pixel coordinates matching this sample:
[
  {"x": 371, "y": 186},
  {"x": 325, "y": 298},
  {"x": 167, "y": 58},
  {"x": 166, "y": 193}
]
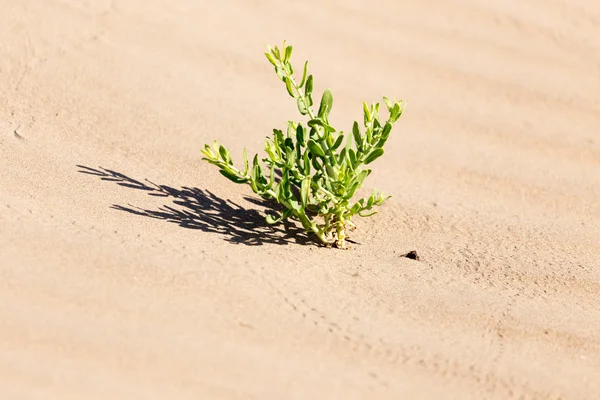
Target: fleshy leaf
[
  {"x": 271, "y": 59},
  {"x": 224, "y": 154},
  {"x": 245, "y": 155},
  {"x": 326, "y": 104},
  {"x": 309, "y": 85},
  {"x": 288, "y": 53},
  {"x": 232, "y": 176},
  {"x": 374, "y": 155},
  {"x": 271, "y": 220},
  {"x": 300, "y": 135},
  {"x": 304, "y": 190},
  {"x": 338, "y": 142},
  {"x": 315, "y": 148},
  {"x": 303, "y": 81},
  {"x": 288, "y": 86},
  {"x": 357, "y": 136},
  {"x": 301, "y": 103}
]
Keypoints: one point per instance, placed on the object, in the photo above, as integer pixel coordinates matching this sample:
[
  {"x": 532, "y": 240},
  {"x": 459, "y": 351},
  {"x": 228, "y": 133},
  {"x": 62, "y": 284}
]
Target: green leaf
[
  {"x": 294, "y": 205},
  {"x": 288, "y": 86},
  {"x": 306, "y": 160},
  {"x": 330, "y": 171},
  {"x": 381, "y": 142},
  {"x": 351, "y": 191},
  {"x": 276, "y": 53},
  {"x": 246, "y": 166},
  {"x": 299, "y": 160},
  {"x": 289, "y": 157},
  {"x": 368, "y": 214},
  {"x": 277, "y": 191},
  {"x": 271, "y": 59},
  {"x": 272, "y": 175},
  {"x": 291, "y": 129},
  {"x": 387, "y": 128},
  {"x": 328, "y": 185},
  {"x": 301, "y": 103},
  {"x": 271, "y": 220},
  {"x": 289, "y": 143},
  {"x": 309, "y": 85},
  {"x": 285, "y": 180},
  {"x": 257, "y": 177},
  {"x": 366, "y": 113},
  {"x": 304, "y": 190},
  {"x": 218, "y": 163},
  {"x": 288, "y": 53},
  {"x": 370, "y": 201},
  {"x": 342, "y": 155},
  {"x": 279, "y": 149},
  {"x": 326, "y": 104},
  {"x": 369, "y": 134},
  {"x": 279, "y": 141},
  {"x": 317, "y": 163},
  {"x": 278, "y": 134},
  {"x": 253, "y": 185},
  {"x": 308, "y": 100},
  {"x": 374, "y": 155},
  {"x": 357, "y": 136},
  {"x": 224, "y": 154},
  {"x": 376, "y": 124},
  {"x": 340, "y": 189},
  {"x": 283, "y": 188},
  {"x": 315, "y": 148},
  {"x": 355, "y": 209},
  {"x": 396, "y": 112},
  {"x": 338, "y": 142},
  {"x": 300, "y": 135},
  {"x": 352, "y": 156},
  {"x": 269, "y": 148},
  {"x": 313, "y": 123},
  {"x": 232, "y": 176},
  {"x": 304, "y": 74},
  {"x": 385, "y": 134},
  {"x": 208, "y": 152}
]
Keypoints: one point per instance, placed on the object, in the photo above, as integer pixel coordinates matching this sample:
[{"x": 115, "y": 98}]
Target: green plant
[{"x": 309, "y": 169}]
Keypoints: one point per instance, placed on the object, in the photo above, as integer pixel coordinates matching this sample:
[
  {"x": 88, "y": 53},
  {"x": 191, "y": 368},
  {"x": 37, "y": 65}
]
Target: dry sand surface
[{"x": 129, "y": 268}]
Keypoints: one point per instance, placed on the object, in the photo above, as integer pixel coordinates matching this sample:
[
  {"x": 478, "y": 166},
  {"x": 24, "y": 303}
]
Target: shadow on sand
[{"x": 195, "y": 208}]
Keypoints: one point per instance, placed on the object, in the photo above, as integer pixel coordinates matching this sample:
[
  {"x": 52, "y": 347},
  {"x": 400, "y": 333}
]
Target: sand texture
[{"x": 131, "y": 269}]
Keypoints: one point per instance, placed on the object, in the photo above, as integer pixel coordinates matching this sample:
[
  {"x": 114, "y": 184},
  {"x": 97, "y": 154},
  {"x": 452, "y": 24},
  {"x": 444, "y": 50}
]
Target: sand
[{"x": 129, "y": 268}]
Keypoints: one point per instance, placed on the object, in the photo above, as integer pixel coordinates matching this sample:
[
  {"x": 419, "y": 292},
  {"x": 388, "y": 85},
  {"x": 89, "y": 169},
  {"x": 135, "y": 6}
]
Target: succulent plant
[{"x": 311, "y": 169}]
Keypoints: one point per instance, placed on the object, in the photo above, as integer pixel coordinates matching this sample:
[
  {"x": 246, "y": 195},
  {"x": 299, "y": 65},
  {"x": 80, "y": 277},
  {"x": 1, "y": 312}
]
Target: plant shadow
[{"x": 194, "y": 208}]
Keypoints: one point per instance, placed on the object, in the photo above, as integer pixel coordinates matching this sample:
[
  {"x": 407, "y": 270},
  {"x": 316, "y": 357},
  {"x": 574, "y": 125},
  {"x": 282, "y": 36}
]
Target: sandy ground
[{"x": 129, "y": 268}]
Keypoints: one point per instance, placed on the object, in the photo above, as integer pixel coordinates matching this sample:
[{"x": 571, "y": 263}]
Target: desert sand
[{"x": 130, "y": 268}]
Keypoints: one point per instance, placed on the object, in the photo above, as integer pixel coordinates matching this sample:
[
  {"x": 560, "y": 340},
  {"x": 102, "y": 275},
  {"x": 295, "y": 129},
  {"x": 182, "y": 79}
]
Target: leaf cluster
[{"x": 310, "y": 168}]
